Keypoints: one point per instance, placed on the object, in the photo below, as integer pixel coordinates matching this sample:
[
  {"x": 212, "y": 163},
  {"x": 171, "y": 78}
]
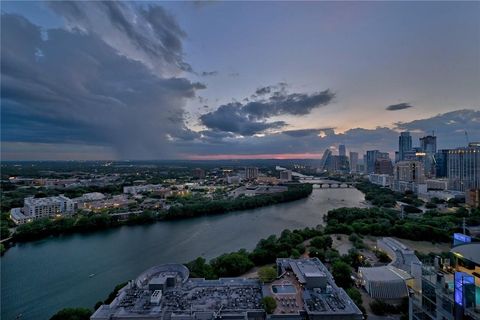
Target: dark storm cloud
[
  {"x": 143, "y": 33},
  {"x": 231, "y": 118},
  {"x": 251, "y": 117},
  {"x": 83, "y": 91},
  {"x": 293, "y": 104},
  {"x": 399, "y": 106}
]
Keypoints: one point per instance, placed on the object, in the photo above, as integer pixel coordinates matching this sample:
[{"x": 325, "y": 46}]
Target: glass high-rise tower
[{"x": 404, "y": 144}]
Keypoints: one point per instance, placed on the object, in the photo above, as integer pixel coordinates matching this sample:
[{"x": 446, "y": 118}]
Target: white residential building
[{"x": 37, "y": 208}]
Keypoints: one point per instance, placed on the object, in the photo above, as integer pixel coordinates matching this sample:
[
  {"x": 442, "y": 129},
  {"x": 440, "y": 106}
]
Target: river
[{"x": 39, "y": 278}]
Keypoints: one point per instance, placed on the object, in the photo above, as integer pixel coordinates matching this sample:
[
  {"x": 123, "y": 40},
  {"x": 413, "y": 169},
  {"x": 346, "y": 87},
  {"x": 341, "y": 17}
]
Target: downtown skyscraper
[{"x": 404, "y": 144}]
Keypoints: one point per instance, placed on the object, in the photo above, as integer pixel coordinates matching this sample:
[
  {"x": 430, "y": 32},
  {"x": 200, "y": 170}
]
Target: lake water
[{"x": 39, "y": 278}]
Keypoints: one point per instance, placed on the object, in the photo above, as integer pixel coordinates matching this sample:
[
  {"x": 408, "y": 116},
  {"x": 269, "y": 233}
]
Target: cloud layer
[
  {"x": 449, "y": 129},
  {"x": 114, "y": 84},
  {"x": 73, "y": 87},
  {"x": 251, "y": 117}
]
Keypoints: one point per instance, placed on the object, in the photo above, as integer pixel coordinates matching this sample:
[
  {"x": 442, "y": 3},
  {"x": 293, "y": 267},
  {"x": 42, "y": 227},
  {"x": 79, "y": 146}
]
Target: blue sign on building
[{"x": 460, "y": 238}]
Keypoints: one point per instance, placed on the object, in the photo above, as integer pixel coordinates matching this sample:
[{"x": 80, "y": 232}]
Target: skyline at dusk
[{"x": 234, "y": 80}]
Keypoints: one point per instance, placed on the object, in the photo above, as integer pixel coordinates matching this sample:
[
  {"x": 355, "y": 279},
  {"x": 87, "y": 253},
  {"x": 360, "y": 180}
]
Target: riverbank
[
  {"x": 61, "y": 266},
  {"x": 43, "y": 228},
  {"x": 290, "y": 243}
]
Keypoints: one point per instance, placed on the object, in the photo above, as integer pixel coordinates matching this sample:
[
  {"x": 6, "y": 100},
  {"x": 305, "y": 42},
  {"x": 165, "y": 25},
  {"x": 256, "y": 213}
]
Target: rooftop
[
  {"x": 182, "y": 296},
  {"x": 470, "y": 251},
  {"x": 383, "y": 274},
  {"x": 167, "y": 292}
]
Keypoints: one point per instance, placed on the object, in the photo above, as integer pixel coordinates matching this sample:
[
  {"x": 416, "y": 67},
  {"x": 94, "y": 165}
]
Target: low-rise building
[
  {"x": 86, "y": 198},
  {"x": 233, "y": 179},
  {"x": 267, "y": 180},
  {"x": 441, "y": 194},
  {"x": 304, "y": 289},
  {"x": 255, "y": 190},
  {"x": 37, "y": 208},
  {"x": 383, "y": 180},
  {"x": 115, "y": 202},
  {"x": 437, "y": 184},
  {"x": 386, "y": 283},
  {"x": 142, "y": 188},
  {"x": 390, "y": 283}
]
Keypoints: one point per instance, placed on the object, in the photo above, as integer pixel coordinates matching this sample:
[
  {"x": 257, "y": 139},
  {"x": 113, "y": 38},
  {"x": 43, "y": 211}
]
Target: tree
[
  {"x": 4, "y": 231},
  {"x": 267, "y": 274},
  {"x": 342, "y": 274},
  {"x": 355, "y": 295},
  {"x": 72, "y": 314},
  {"x": 269, "y": 304},
  {"x": 232, "y": 264},
  {"x": 322, "y": 242},
  {"x": 382, "y": 256},
  {"x": 199, "y": 268}
]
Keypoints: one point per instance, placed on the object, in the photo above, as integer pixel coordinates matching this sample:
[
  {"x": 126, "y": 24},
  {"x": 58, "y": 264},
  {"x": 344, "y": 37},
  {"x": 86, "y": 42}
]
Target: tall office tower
[
  {"x": 428, "y": 144},
  {"x": 342, "y": 151},
  {"x": 353, "y": 162},
  {"x": 251, "y": 173},
  {"x": 371, "y": 157},
  {"x": 428, "y": 147},
  {"x": 463, "y": 167},
  {"x": 343, "y": 164},
  {"x": 326, "y": 154},
  {"x": 441, "y": 160},
  {"x": 332, "y": 164},
  {"x": 404, "y": 144}
]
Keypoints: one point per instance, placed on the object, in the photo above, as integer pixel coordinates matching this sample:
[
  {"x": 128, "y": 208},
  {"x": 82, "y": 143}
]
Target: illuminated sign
[
  {"x": 462, "y": 280},
  {"x": 460, "y": 238}
]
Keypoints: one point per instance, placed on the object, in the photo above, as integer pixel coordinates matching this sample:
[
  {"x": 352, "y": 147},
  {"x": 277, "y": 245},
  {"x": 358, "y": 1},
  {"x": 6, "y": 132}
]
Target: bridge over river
[{"x": 322, "y": 183}]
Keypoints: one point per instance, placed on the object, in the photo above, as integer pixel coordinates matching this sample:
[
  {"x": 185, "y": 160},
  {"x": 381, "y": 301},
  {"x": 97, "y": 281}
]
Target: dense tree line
[
  {"x": 387, "y": 198},
  {"x": 81, "y": 223},
  {"x": 431, "y": 226},
  {"x": 288, "y": 244},
  {"x": 199, "y": 207},
  {"x": 90, "y": 222}
]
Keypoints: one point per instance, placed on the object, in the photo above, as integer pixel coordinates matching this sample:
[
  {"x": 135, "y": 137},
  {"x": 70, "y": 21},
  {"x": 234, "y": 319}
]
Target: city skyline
[{"x": 115, "y": 80}]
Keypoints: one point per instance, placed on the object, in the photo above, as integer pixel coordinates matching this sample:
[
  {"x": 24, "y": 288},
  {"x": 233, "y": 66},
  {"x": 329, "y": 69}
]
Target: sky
[{"x": 225, "y": 80}]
